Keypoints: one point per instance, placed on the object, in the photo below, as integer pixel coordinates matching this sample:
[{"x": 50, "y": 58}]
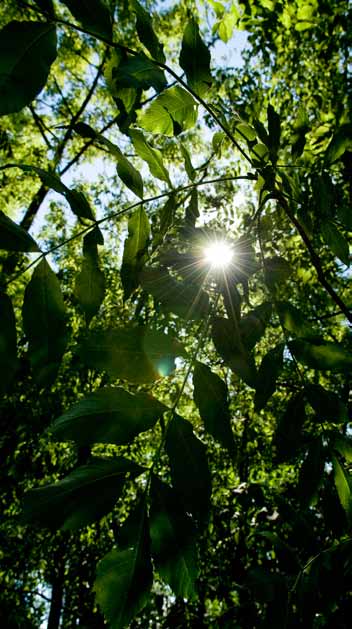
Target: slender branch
[{"x": 40, "y": 126}]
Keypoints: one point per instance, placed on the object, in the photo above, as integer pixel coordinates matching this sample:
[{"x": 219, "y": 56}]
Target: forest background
[{"x": 175, "y": 432}]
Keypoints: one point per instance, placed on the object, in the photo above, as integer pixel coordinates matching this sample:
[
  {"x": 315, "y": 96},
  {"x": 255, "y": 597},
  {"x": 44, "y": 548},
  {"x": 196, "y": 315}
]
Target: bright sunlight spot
[{"x": 218, "y": 254}]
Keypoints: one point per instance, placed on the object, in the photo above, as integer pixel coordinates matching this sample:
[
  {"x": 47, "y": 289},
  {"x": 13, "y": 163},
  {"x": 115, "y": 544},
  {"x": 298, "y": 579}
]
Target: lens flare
[{"x": 218, "y": 254}]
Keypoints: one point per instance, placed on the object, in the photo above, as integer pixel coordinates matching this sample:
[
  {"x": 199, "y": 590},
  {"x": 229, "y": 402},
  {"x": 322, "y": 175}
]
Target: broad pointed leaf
[
  {"x": 129, "y": 175},
  {"x": 321, "y": 355},
  {"x": 134, "y": 250},
  {"x": 140, "y": 72},
  {"x": 85, "y": 495},
  {"x": 90, "y": 283},
  {"x": 343, "y": 486},
  {"x": 294, "y": 321},
  {"x": 311, "y": 473},
  {"x": 343, "y": 445},
  {"x": 252, "y": 326},
  {"x": 135, "y": 354},
  {"x": 152, "y": 156},
  {"x": 189, "y": 468},
  {"x": 326, "y": 404},
  {"x": 210, "y": 395},
  {"x": 110, "y": 415},
  {"x": 188, "y": 164},
  {"x": 276, "y": 270},
  {"x": 195, "y": 59},
  {"x": 44, "y": 322},
  {"x": 274, "y": 128},
  {"x": 288, "y": 434},
  {"x": 13, "y": 237},
  {"x": 172, "y": 112},
  {"x": 173, "y": 537},
  {"x": 268, "y": 373},
  {"x": 8, "y": 343},
  {"x": 94, "y": 16},
  {"x": 227, "y": 341},
  {"x": 27, "y": 50},
  {"x": 124, "y": 575},
  {"x": 336, "y": 241},
  {"x": 146, "y": 32}
]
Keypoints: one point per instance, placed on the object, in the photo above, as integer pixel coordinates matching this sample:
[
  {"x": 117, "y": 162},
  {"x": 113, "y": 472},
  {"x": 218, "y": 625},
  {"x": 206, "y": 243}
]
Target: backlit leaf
[
  {"x": 189, "y": 468},
  {"x": 129, "y": 175},
  {"x": 326, "y": 404},
  {"x": 336, "y": 241},
  {"x": 152, "y": 156},
  {"x": 173, "y": 537},
  {"x": 268, "y": 373},
  {"x": 195, "y": 59},
  {"x": 343, "y": 486},
  {"x": 44, "y": 322},
  {"x": 210, "y": 395},
  {"x": 13, "y": 237},
  {"x": 124, "y": 575},
  {"x": 134, "y": 250},
  {"x": 136, "y": 354},
  {"x": 321, "y": 355},
  {"x": 8, "y": 343},
  {"x": 172, "y": 112},
  {"x": 140, "y": 72},
  {"x": 90, "y": 282},
  {"x": 341, "y": 141},
  {"x": 311, "y": 473},
  {"x": 276, "y": 270},
  {"x": 146, "y": 32},
  {"x": 94, "y": 16},
  {"x": 85, "y": 495},
  {"x": 27, "y": 50},
  {"x": 110, "y": 415},
  {"x": 288, "y": 434},
  {"x": 294, "y": 321},
  {"x": 228, "y": 343}
]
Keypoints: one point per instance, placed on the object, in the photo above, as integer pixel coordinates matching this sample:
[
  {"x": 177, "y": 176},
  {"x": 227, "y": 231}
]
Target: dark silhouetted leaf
[
  {"x": 274, "y": 128},
  {"x": 152, "y": 156},
  {"x": 27, "y": 50},
  {"x": 129, "y": 175},
  {"x": 288, "y": 434},
  {"x": 173, "y": 537},
  {"x": 44, "y": 323},
  {"x": 183, "y": 298},
  {"x": 252, "y": 326},
  {"x": 167, "y": 215},
  {"x": 84, "y": 496},
  {"x": 90, "y": 283},
  {"x": 140, "y": 72},
  {"x": 146, "y": 32},
  {"x": 13, "y": 237},
  {"x": 228, "y": 343},
  {"x": 232, "y": 301},
  {"x": 110, "y": 415},
  {"x": 134, "y": 354},
  {"x": 8, "y": 343},
  {"x": 311, "y": 473},
  {"x": 343, "y": 486},
  {"x": 336, "y": 241},
  {"x": 94, "y": 16},
  {"x": 173, "y": 111},
  {"x": 276, "y": 270},
  {"x": 321, "y": 355},
  {"x": 195, "y": 59},
  {"x": 268, "y": 373},
  {"x": 326, "y": 404},
  {"x": 189, "y": 468},
  {"x": 134, "y": 250},
  {"x": 191, "y": 173},
  {"x": 341, "y": 141},
  {"x": 124, "y": 575},
  {"x": 210, "y": 395}
]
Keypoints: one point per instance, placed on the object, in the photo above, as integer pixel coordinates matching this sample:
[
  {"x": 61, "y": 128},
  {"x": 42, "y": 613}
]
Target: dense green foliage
[{"x": 175, "y": 436}]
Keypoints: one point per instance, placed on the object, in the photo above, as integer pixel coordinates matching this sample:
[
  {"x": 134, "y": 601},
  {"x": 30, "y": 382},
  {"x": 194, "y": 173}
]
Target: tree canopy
[{"x": 175, "y": 310}]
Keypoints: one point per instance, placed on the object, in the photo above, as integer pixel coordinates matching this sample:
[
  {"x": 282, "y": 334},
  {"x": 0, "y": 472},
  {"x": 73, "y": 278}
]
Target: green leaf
[
  {"x": 140, "y": 72},
  {"x": 129, "y": 175},
  {"x": 191, "y": 173},
  {"x": 276, "y": 270},
  {"x": 268, "y": 373},
  {"x": 311, "y": 473},
  {"x": 247, "y": 131},
  {"x": 252, "y": 326},
  {"x": 27, "y": 50},
  {"x": 321, "y": 355},
  {"x": 146, "y": 32},
  {"x": 336, "y": 241},
  {"x": 343, "y": 486},
  {"x": 343, "y": 445},
  {"x": 326, "y": 404},
  {"x": 228, "y": 343},
  {"x": 110, "y": 415},
  {"x": 172, "y": 112},
  {"x": 125, "y": 576},
  {"x": 90, "y": 282},
  {"x": 13, "y": 237},
  {"x": 79, "y": 204},
  {"x": 294, "y": 321},
  {"x": 152, "y": 156},
  {"x": 173, "y": 537},
  {"x": 189, "y": 468},
  {"x": 195, "y": 59},
  {"x": 340, "y": 142},
  {"x": 44, "y": 322},
  {"x": 94, "y": 16},
  {"x": 182, "y": 298},
  {"x": 210, "y": 395},
  {"x": 274, "y": 128},
  {"x": 134, "y": 251},
  {"x": 232, "y": 301},
  {"x": 288, "y": 434},
  {"x": 167, "y": 215},
  {"x": 136, "y": 354},
  {"x": 85, "y": 495},
  {"x": 8, "y": 343}
]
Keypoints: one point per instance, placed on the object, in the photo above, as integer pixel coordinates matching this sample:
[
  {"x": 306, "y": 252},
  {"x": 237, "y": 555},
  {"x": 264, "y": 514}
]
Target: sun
[{"x": 218, "y": 254}]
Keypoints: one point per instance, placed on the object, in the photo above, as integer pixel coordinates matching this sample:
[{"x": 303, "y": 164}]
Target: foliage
[{"x": 176, "y": 434}]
